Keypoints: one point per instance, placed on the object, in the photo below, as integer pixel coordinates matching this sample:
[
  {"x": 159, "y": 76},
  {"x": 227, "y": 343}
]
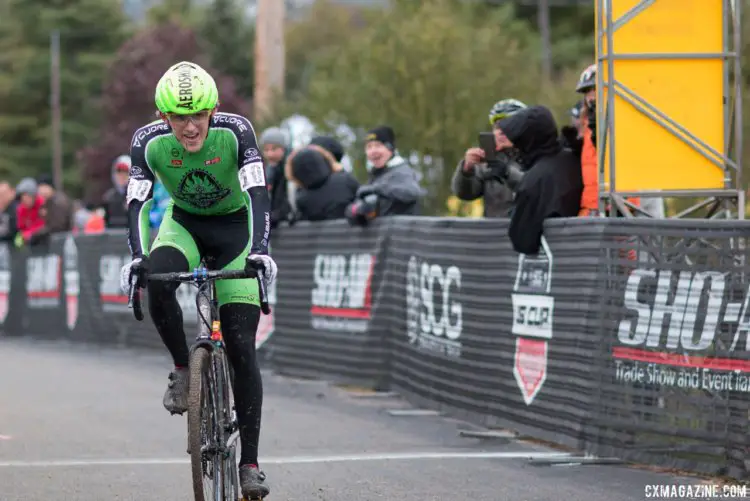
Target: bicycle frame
[{"x": 225, "y": 432}]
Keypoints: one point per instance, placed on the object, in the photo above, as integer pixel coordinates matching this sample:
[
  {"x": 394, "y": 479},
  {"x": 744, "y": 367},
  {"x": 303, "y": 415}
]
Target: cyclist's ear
[
  {"x": 162, "y": 116},
  {"x": 216, "y": 108}
]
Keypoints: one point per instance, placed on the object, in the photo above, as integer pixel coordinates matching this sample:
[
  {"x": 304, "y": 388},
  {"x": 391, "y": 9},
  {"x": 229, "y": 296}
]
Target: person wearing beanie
[
  {"x": 115, "y": 205},
  {"x": 392, "y": 181},
  {"x": 331, "y": 144},
  {"x": 275, "y": 144},
  {"x": 324, "y": 189},
  {"x": 57, "y": 210},
  {"x": 29, "y": 211}
]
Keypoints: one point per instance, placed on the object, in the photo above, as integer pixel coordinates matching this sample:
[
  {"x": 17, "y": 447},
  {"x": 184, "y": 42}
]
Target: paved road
[{"x": 87, "y": 425}]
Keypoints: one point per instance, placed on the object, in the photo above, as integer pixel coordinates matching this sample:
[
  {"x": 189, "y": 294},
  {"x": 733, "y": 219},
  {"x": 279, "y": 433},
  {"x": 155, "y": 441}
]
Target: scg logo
[{"x": 430, "y": 307}]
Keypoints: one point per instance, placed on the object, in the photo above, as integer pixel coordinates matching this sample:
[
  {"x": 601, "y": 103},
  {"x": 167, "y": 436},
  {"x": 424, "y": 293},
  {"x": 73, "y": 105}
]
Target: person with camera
[
  {"x": 474, "y": 178},
  {"x": 550, "y": 183}
]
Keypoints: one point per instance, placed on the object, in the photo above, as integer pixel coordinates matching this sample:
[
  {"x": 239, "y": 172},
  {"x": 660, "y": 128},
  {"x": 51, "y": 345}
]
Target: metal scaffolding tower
[{"x": 725, "y": 198}]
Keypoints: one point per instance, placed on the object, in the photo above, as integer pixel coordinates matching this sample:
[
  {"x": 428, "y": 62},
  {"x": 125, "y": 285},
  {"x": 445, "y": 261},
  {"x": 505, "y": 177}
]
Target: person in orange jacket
[{"x": 589, "y": 158}]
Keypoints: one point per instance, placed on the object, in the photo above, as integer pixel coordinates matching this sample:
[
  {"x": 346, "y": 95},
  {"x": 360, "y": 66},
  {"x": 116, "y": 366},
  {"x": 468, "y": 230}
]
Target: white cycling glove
[
  {"x": 269, "y": 266},
  {"x": 127, "y": 275}
]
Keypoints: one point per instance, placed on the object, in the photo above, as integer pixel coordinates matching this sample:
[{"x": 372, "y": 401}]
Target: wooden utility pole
[
  {"x": 544, "y": 31},
  {"x": 270, "y": 55},
  {"x": 57, "y": 168}
]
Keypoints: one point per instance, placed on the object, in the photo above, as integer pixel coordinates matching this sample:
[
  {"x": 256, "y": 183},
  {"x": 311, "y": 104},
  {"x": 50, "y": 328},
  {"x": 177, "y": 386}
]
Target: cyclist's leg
[
  {"x": 173, "y": 250},
  {"x": 239, "y": 310}
]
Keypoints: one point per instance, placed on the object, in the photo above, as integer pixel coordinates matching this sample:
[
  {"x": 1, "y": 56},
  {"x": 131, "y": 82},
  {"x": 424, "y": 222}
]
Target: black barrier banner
[
  {"x": 674, "y": 389},
  {"x": 619, "y": 338},
  {"x": 501, "y": 338},
  {"x": 329, "y": 289}
]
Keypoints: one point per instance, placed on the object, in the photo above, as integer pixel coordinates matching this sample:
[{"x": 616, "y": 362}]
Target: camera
[
  {"x": 506, "y": 170},
  {"x": 501, "y": 165}
]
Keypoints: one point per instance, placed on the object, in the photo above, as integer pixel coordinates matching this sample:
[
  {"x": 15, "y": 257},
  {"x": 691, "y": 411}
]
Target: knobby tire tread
[{"x": 199, "y": 364}]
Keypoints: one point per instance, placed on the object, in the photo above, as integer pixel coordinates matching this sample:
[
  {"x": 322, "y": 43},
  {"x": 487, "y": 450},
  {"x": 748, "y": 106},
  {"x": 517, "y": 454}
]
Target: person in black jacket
[
  {"x": 8, "y": 205},
  {"x": 324, "y": 189},
  {"x": 115, "y": 207},
  {"x": 552, "y": 185}
]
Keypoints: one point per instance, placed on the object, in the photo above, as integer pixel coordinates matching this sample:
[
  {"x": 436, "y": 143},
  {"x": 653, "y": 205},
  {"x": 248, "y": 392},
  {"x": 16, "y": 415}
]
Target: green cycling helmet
[
  {"x": 505, "y": 108},
  {"x": 186, "y": 88}
]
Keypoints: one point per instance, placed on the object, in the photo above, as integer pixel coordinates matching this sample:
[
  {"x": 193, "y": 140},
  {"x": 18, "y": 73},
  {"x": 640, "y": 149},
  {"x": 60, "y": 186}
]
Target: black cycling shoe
[
  {"x": 175, "y": 398},
  {"x": 252, "y": 482}
]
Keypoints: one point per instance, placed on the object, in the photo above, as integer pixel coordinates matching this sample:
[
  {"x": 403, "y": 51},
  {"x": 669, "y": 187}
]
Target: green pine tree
[
  {"x": 229, "y": 41},
  {"x": 90, "y": 32}
]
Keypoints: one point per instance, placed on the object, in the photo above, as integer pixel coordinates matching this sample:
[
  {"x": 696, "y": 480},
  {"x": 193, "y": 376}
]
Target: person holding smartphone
[{"x": 474, "y": 179}]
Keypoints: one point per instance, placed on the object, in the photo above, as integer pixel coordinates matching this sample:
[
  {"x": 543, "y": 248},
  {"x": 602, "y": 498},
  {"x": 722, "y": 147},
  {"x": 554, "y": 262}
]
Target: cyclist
[{"x": 209, "y": 163}]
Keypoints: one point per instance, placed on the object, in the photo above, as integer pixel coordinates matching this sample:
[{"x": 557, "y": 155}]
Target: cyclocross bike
[{"x": 212, "y": 423}]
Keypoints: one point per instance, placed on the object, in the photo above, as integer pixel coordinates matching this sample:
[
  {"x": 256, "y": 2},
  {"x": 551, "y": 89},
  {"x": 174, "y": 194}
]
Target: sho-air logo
[
  {"x": 684, "y": 329},
  {"x": 533, "y": 309},
  {"x": 200, "y": 189},
  {"x": 342, "y": 296}
]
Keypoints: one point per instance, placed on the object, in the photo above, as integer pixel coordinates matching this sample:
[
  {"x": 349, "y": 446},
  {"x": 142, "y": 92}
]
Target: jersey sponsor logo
[
  {"x": 176, "y": 163},
  {"x": 434, "y": 317},
  {"x": 231, "y": 120},
  {"x": 212, "y": 161},
  {"x": 200, "y": 189},
  {"x": 138, "y": 189},
  {"x": 251, "y": 152},
  {"x": 135, "y": 171},
  {"x": 175, "y": 153},
  {"x": 143, "y": 133},
  {"x": 252, "y": 175},
  {"x": 533, "y": 311}
]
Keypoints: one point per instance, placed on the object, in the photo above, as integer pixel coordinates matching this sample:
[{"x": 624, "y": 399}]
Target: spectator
[
  {"x": 330, "y": 144},
  {"x": 474, "y": 179},
  {"x": 324, "y": 189},
  {"x": 9, "y": 207},
  {"x": 392, "y": 182},
  {"x": 29, "y": 211},
  {"x": 115, "y": 205},
  {"x": 589, "y": 158},
  {"x": 81, "y": 215},
  {"x": 57, "y": 210},
  {"x": 551, "y": 186},
  {"x": 275, "y": 144}
]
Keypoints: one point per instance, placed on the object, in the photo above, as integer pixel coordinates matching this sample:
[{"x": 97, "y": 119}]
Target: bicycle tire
[
  {"x": 224, "y": 401},
  {"x": 200, "y": 373}
]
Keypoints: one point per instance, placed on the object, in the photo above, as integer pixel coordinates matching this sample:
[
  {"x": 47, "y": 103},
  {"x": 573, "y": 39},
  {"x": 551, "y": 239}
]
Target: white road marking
[
  {"x": 5, "y": 437},
  {"x": 403, "y": 456}
]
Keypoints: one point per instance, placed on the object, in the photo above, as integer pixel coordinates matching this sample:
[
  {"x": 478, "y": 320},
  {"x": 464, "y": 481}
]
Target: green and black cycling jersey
[{"x": 225, "y": 176}]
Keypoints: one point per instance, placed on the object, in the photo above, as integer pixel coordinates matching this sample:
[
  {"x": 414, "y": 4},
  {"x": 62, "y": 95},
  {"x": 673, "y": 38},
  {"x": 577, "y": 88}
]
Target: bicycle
[{"x": 212, "y": 423}]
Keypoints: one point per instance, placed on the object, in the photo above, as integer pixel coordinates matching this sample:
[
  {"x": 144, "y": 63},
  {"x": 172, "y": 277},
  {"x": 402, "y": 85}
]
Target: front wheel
[{"x": 204, "y": 429}]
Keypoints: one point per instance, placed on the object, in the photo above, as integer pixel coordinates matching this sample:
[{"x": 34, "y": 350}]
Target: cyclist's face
[{"x": 191, "y": 130}]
